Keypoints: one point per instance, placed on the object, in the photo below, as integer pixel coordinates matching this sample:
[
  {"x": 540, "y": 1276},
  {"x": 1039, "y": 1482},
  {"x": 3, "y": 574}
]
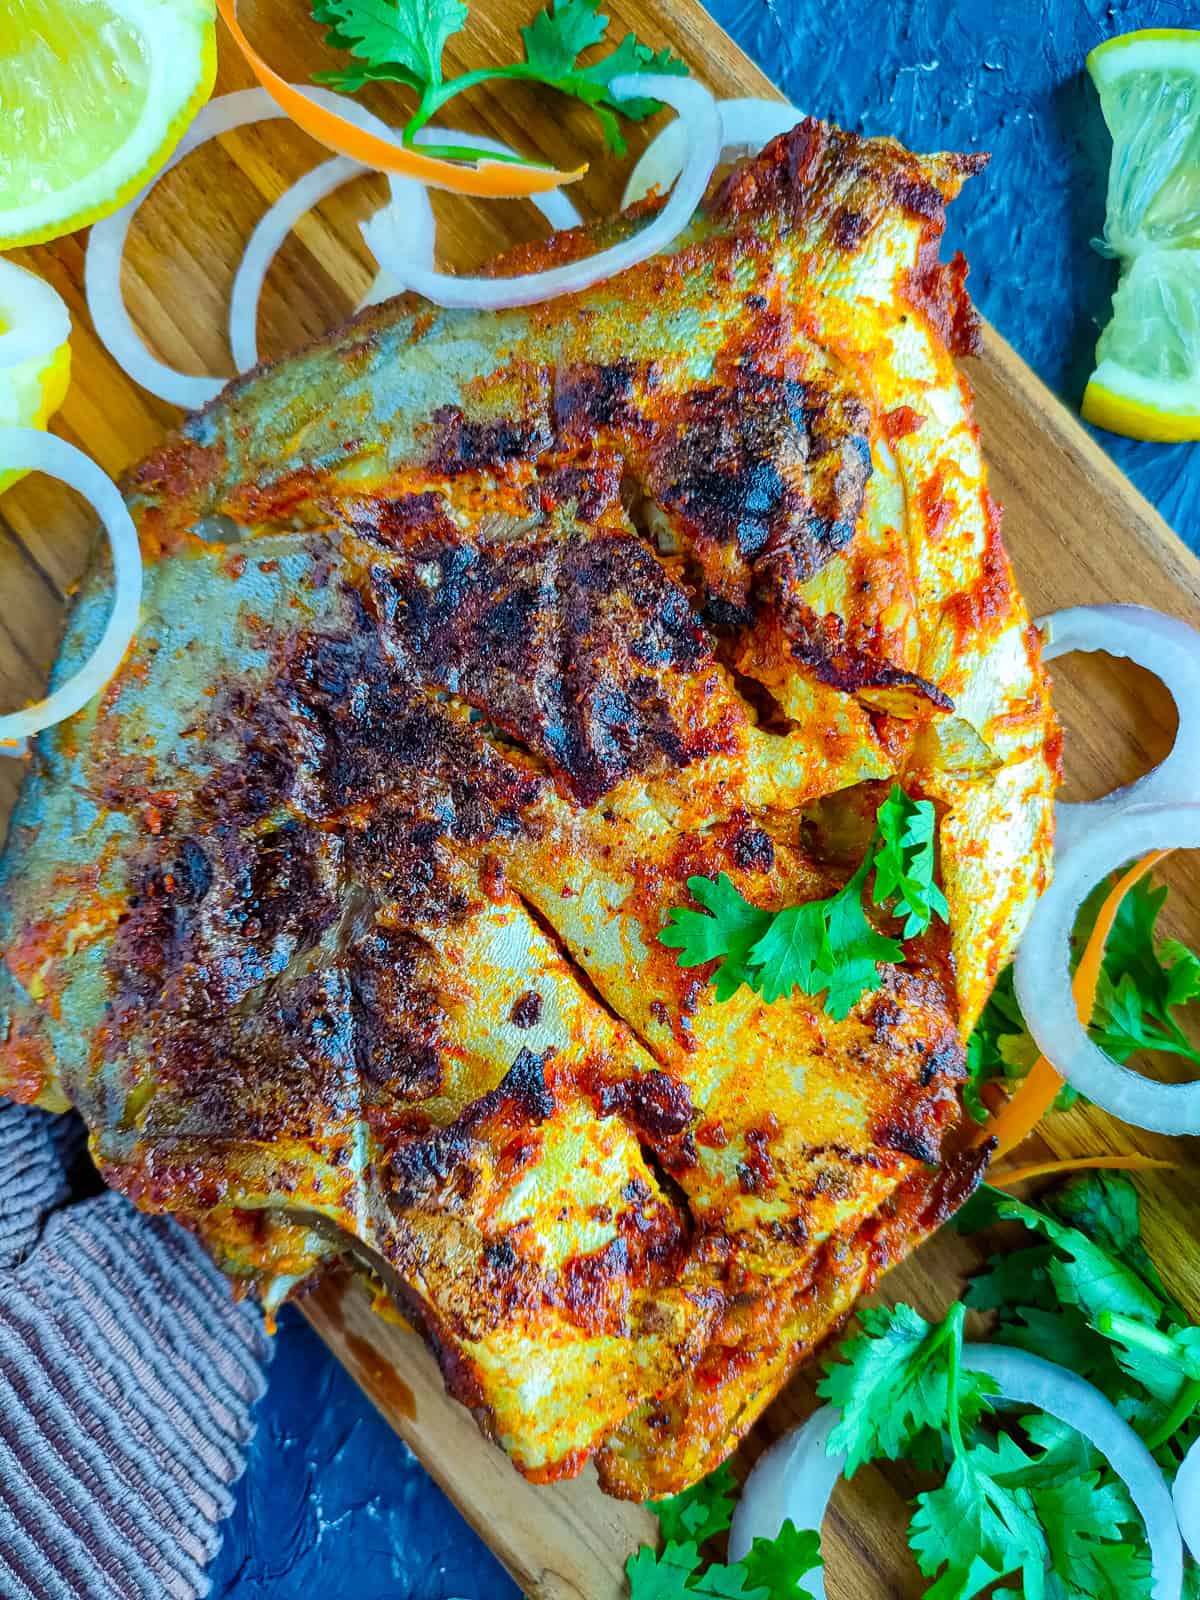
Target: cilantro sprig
[
  {"x": 404, "y": 41},
  {"x": 1145, "y": 981},
  {"x": 823, "y": 946},
  {"x": 772, "y": 1569},
  {"x": 1014, "y": 1506}
]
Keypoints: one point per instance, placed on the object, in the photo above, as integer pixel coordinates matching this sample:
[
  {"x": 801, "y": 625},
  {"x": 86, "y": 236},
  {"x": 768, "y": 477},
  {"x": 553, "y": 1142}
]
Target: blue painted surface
[{"x": 332, "y": 1504}]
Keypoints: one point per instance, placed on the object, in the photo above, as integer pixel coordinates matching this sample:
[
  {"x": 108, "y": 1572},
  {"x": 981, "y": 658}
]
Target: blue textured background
[{"x": 332, "y": 1503}]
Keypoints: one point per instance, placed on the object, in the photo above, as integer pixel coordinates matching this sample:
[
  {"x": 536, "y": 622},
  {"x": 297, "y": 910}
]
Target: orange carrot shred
[
  {"x": 1039, "y": 1169},
  {"x": 494, "y": 179},
  {"x": 1040, "y": 1088}
]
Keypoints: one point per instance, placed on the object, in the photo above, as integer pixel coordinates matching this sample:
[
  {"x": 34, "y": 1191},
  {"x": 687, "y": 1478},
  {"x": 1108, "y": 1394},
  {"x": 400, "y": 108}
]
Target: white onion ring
[
  {"x": 746, "y": 126},
  {"x": 35, "y": 317},
  {"x": 1185, "y": 1492},
  {"x": 1027, "y": 1380},
  {"x": 31, "y": 450},
  {"x": 1168, "y": 648},
  {"x": 275, "y": 225},
  {"x": 557, "y": 208},
  {"x": 796, "y": 1477},
  {"x": 694, "y": 103},
  {"x": 1043, "y": 981},
  {"x": 106, "y": 245}
]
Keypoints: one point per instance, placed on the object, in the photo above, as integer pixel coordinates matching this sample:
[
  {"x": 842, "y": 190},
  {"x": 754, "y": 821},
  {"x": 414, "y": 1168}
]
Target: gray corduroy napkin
[{"x": 127, "y": 1378}]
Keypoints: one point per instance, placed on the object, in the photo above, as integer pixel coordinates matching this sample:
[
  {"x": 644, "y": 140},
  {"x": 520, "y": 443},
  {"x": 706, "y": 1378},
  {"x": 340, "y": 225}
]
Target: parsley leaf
[
  {"x": 698, "y": 1513},
  {"x": 1104, "y": 1205},
  {"x": 777, "y": 1565},
  {"x": 822, "y": 947},
  {"x": 403, "y": 41},
  {"x": 977, "y": 1528},
  {"x": 904, "y": 861},
  {"x": 727, "y": 934},
  {"x": 718, "y": 1582},
  {"x": 893, "y": 1382},
  {"x": 662, "y": 1577}
]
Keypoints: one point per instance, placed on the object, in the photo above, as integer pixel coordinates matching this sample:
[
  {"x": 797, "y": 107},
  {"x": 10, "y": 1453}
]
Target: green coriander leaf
[
  {"x": 1084, "y": 1274},
  {"x": 1183, "y": 972},
  {"x": 1018, "y": 1278},
  {"x": 399, "y": 39},
  {"x": 778, "y": 1565},
  {"x": 631, "y": 56},
  {"x": 892, "y": 1383},
  {"x": 1104, "y": 1205},
  {"x": 904, "y": 861},
  {"x": 654, "y": 1576},
  {"x": 794, "y": 953},
  {"x": 555, "y": 37},
  {"x": 978, "y": 1530},
  {"x": 726, "y": 934},
  {"x": 857, "y": 948},
  {"x": 1064, "y": 1336},
  {"x": 719, "y": 1582},
  {"x": 698, "y": 1513},
  {"x": 1080, "y": 1516}
]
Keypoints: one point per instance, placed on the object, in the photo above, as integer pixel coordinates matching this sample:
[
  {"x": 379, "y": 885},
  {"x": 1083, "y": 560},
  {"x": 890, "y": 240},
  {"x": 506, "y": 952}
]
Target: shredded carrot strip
[
  {"x": 1040, "y": 1169},
  {"x": 1039, "y": 1089},
  {"x": 495, "y": 179}
]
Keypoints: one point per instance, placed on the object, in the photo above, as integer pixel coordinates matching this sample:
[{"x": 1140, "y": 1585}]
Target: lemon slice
[
  {"x": 95, "y": 96},
  {"x": 35, "y": 356},
  {"x": 1147, "y": 380}
]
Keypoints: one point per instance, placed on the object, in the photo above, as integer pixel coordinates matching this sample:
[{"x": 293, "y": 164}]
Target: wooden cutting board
[{"x": 1077, "y": 530}]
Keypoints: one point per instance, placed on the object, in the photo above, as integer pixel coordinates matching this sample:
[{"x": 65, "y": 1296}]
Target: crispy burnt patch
[
  {"x": 754, "y": 469},
  {"x": 581, "y": 648}
]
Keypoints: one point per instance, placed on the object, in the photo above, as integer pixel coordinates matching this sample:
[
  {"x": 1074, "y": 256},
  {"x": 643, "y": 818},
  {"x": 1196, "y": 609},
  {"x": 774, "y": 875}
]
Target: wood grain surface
[{"x": 1076, "y": 529}]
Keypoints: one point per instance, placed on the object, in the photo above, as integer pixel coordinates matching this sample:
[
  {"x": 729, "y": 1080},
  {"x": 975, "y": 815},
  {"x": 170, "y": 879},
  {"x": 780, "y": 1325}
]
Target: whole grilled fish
[{"x": 467, "y": 639}]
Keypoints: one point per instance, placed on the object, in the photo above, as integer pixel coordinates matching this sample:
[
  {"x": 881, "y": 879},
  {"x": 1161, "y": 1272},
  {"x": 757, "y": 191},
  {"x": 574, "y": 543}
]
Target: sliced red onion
[
  {"x": 695, "y": 106},
  {"x": 1185, "y": 1492},
  {"x": 33, "y": 316},
  {"x": 1043, "y": 978},
  {"x": 794, "y": 1478},
  {"x": 31, "y": 450},
  {"x": 1168, "y": 648},
  {"x": 404, "y": 231},
  {"x": 106, "y": 245},
  {"x": 1027, "y": 1380},
  {"x": 746, "y": 126}
]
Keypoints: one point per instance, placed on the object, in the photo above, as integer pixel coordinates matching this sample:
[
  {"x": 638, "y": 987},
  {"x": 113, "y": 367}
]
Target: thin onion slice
[
  {"x": 33, "y": 316},
  {"x": 31, "y": 450},
  {"x": 1168, "y": 648},
  {"x": 1042, "y": 977},
  {"x": 106, "y": 246},
  {"x": 410, "y": 199},
  {"x": 746, "y": 126},
  {"x": 408, "y": 212},
  {"x": 1185, "y": 1492},
  {"x": 795, "y": 1478},
  {"x": 409, "y": 243},
  {"x": 699, "y": 110},
  {"x": 381, "y": 152},
  {"x": 1028, "y": 1380}
]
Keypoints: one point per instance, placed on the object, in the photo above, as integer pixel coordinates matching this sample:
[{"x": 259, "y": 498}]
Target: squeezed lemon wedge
[
  {"x": 1147, "y": 378},
  {"x": 95, "y": 95}
]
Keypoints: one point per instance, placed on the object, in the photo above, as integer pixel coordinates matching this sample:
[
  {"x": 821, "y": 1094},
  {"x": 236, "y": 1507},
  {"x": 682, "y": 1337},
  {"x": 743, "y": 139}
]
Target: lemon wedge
[
  {"x": 95, "y": 95},
  {"x": 35, "y": 355},
  {"x": 1147, "y": 379}
]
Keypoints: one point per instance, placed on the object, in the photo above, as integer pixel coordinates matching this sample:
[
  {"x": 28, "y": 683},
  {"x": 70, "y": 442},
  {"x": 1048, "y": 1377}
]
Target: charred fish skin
[{"x": 467, "y": 639}]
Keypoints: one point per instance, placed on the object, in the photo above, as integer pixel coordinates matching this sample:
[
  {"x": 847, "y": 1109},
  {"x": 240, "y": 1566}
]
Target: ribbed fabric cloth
[{"x": 127, "y": 1377}]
